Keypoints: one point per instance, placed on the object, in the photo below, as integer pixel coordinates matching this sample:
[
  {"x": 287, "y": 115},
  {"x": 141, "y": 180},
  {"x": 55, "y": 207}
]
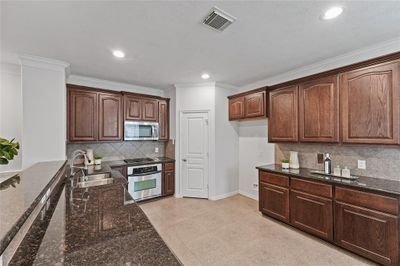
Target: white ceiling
[{"x": 166, "y": 43}]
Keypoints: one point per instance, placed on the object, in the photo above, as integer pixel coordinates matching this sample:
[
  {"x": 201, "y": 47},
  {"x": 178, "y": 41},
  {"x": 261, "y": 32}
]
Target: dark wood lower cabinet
[
  {"x": 168, "y": 179},
  {"x": 312, "y": 214},
  {"x": 274, "y": 201},
  {"x": 364, "y": 222},
  {"x": 169, "y": 183},
  {"x": 367, "y": 232}
]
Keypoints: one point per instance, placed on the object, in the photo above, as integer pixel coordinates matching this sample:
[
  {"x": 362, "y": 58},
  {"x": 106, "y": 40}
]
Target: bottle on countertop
[
  {"x": 327, "y": 164},
  {"x": 346, "y": 172},
  {"x": 337, "y": 171}
]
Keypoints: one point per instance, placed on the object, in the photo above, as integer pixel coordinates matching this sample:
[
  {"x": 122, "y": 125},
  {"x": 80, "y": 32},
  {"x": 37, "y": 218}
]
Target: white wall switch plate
[
  {"x": 156, "y": 149},
  {"x": 362, "y": 164}
]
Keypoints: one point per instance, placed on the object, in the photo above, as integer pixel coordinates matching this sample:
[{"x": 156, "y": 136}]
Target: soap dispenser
[{"x": 328, "y": 164}]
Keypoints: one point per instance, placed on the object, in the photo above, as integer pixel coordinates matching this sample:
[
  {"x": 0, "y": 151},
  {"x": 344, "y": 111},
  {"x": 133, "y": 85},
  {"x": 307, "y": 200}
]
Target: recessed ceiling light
[
  {"x": 118, "y": 53},
  {"x": 205, "y": 76},
  {"x": 332, "y": 12}
]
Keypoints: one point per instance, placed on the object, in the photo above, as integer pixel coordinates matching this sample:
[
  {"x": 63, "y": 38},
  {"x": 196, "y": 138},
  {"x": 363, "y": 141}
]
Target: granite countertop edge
[
  {"x": 276, "y": 168},
  {"x": 8, "y": 237}
]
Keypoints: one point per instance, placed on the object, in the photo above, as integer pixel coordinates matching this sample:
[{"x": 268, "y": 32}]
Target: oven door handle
[{"x": 151, "y": 173}]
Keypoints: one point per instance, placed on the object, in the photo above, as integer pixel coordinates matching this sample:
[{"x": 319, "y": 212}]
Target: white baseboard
[
  {"x": 179, "y": 196},
  {"x": 223, "y": 196},
  {"x": 241, "y": 192}
]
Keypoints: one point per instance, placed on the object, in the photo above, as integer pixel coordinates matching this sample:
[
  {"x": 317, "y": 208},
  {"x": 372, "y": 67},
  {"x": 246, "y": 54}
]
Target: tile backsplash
[
  {"x": 382, "y": 161},
  {"x": 111, "y": 151}
]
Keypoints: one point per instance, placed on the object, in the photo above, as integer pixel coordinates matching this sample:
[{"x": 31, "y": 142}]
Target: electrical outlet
[
  {"x": 362, "y": 164},
  {"x": 255, "y": 186},
  {"x": 320, "y": 157},
  {"x": 156, "y": 149}
]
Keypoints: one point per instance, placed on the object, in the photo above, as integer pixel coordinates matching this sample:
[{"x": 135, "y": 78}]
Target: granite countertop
[
  {"x": 364, "y": 182},
  {"x": 99, "y": 225},
  {"x": 123, "y": 163},
  {"x": 20, "y": 192}
]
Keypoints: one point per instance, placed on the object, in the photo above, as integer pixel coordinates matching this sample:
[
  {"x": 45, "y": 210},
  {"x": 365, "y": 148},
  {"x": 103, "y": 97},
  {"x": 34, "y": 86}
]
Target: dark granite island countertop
[
  {"x": 20, "y": 193},
  {"x": 99, "y": 225},
  {"x": 363, "y": 182}
]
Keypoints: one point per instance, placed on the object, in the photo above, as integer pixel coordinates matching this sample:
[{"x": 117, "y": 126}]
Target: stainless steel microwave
[{"x": 141, "y": 130}]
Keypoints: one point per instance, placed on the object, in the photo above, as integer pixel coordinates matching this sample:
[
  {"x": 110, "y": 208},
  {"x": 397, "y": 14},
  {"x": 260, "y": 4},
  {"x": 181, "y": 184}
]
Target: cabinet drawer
[
  {"x": 314, "y": 188},
  {"x": 274, "y": 179},
  {"x": 368, "y": 200},
  {"x": 169, "y": 167}
]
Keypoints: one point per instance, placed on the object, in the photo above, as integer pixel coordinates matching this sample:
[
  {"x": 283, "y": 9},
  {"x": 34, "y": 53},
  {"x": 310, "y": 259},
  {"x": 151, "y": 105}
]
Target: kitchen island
[
  {"x": 99, "y": 225},
  {"x": 22, "y": 196}
]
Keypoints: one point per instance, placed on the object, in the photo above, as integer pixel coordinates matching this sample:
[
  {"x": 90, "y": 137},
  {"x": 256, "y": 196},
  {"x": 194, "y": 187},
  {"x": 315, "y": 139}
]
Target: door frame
[{"x": 180, "y": 165}]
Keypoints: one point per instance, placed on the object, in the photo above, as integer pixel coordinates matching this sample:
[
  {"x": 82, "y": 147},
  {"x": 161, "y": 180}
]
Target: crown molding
[
  {"x": 226, "y": 86},
  {"x": 43, "y": 63},
  {"x": 112, "y": 85},
  {"x": 195, "y": 85},
  {"x": 369, "y": 52}
]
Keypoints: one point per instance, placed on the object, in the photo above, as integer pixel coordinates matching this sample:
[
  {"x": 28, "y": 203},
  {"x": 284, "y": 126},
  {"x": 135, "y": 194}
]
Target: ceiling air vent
[{"x": 218, "y": 19}]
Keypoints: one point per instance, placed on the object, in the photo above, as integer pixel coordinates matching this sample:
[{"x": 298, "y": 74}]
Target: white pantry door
[{"x": 194, "y": 154}]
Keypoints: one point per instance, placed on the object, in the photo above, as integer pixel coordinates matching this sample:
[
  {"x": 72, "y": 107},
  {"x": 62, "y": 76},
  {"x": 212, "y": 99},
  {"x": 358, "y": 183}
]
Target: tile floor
[{"x": 231, "y": 231}]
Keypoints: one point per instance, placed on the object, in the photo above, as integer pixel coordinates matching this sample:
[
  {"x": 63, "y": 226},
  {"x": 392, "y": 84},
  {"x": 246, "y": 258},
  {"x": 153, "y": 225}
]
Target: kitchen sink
[{"x": 96, "y": 180}]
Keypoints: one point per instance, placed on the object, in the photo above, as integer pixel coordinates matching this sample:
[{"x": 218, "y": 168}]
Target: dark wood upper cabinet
[
  {"x": 236, "y": 108},
  {"x": 133, "y": 108},
  {"x": 140, "y": 108},
  {"x": 283, "y": 115},
  {"x": 254, "y": 105},
  {"x": 110, "y": 117},
  {"x": 319, "y": 110},
  {"x": 82, "y": 115},
  {"x": 149, "y": 109},
  {"x": 248, "y": 105},
  {"x": 370, "y": 104},
  {"x": 163, "y": 119}
]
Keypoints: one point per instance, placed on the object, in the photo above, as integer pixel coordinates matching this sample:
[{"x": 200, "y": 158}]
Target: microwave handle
[{"x": 154, "y": 130}]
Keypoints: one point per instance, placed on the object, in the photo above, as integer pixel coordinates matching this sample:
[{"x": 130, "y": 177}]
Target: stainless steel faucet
[{"x": 75, "y": 154}]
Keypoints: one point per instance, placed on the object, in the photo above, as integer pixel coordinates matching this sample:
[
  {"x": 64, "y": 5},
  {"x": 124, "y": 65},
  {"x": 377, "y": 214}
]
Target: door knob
[{"x": 184, "y": 160}]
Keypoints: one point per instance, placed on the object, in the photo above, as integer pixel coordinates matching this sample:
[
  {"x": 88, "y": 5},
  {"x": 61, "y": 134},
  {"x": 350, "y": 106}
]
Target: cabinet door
[
  {"x": 169, "y": 183},
  {"x": 254, "y": 105},
  {"x": 236, "y": 108},
  {"x": 82, "y": 115},
  {"x": 282, "y": 124},
  {"x": 319, "y": 110},
  {"x": 312, "y": 214},
  {"x": 149, "y": 109},
  {"x": 370, "y": 104},
  {"x": 133, "y": 108},
  {"x": 274, "y": 201},
  {"x": 110, "y": 117},
  {"x": 163, "y": 120},
  {"x": 369, "y": 233}
]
